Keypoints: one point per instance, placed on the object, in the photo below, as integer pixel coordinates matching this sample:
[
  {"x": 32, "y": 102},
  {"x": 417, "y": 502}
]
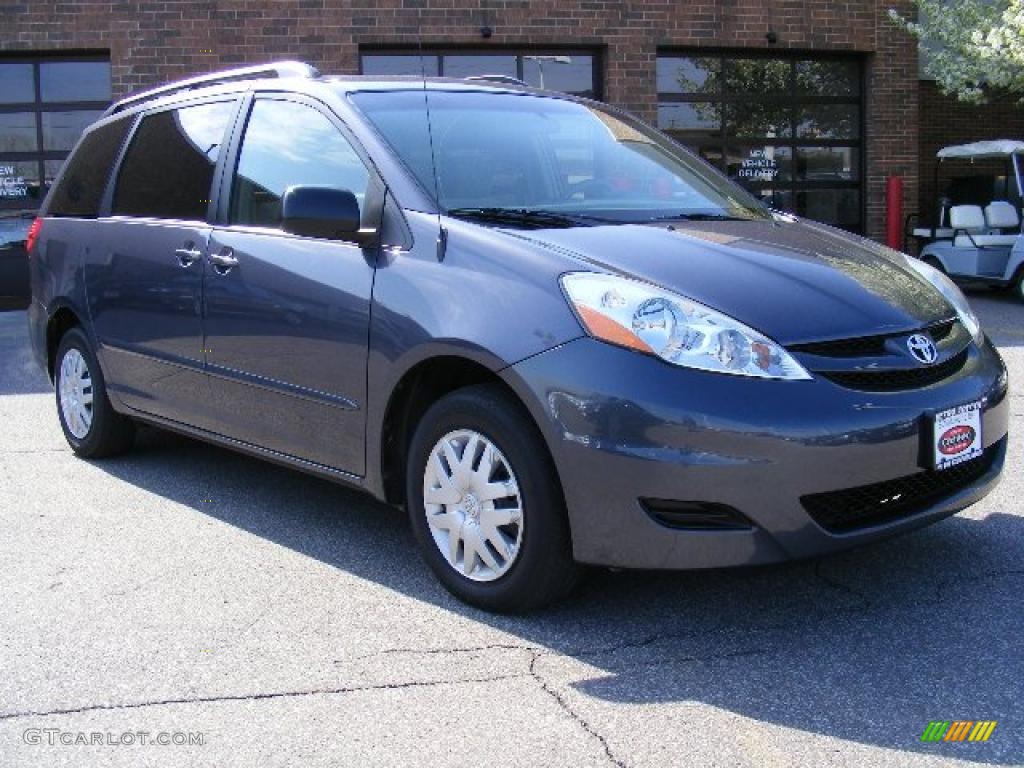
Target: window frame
[
  {"x": 792, "y": 99},
  {"x": 36, "y": 108},
  {"x": 519, "y": 51},
  {"x": 373, "y": 202}
]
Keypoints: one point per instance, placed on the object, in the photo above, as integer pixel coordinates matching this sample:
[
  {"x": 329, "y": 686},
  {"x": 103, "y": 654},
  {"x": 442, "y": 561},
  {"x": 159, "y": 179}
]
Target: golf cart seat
[
  {"x": 972, "y": 230},
  {"x": 1000, "y": 214}
]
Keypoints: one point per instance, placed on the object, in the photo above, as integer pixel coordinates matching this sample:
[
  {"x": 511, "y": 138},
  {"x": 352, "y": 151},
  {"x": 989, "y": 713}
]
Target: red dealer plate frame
[{"x": 956, "y": 435}]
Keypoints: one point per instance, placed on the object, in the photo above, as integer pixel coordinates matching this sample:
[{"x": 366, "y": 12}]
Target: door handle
[
  {"x": 188, "y": 256},
  {"x": 224, "y": 261}
]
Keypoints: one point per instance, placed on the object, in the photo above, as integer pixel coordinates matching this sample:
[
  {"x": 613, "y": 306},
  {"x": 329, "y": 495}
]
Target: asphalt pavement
[{"x": 188, "y": 593}]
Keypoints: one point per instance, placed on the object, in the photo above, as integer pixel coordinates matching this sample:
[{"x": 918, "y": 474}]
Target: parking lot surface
[{"x": 187, "y": 591}]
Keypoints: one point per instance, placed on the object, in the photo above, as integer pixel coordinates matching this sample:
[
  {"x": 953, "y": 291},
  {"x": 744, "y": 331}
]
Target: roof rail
[
  {"x": 507, "y": 79},
  {"x": 274, "y": 69}
]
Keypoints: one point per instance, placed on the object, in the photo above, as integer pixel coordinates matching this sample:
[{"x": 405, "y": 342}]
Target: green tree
[{"x": 971, "y": 46}]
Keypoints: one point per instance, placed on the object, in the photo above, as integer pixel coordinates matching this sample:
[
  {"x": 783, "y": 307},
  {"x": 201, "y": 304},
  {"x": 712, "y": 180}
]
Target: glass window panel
[
  {"x": 484, "y": 64},
  {"x": 74, "y": 80},
  {"x": 400, "y": 65},
  {"x": 62, "y": 129},
  {"x": 18, "y": 132},
  {"x": 757, "y": 76},
  {"x": 168, "y": 169},
  {"x": 840, "y": 207},
  {"x": 19, "y": 183},
  {"x": 828, "y": 78},
  {"x": 827, "y": 163},
  {"x": 689, "y": 121},
  {"x": 569, "y": 74},
  {"x": 288, "y": 144},
  {"x": 689, "y": 75},
  {"x": 17, "y": 83},
  {"x": 82, "y": 185},
  {"x": 760, "y": 163},
  {"x": 829, "y": 121},
  {"x": 757, "y": 119},
  {"x": 712, "y": 154}
]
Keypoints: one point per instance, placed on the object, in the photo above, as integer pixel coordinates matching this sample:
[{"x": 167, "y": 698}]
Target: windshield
[{"x": 532, "y": 153}]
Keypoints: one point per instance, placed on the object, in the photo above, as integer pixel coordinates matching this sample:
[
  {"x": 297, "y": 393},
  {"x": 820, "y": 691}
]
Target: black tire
[
  {"x": 543, "y": 571},
  {"x": 1017, "y": 285},
  {"x": 109, "y": 433}
]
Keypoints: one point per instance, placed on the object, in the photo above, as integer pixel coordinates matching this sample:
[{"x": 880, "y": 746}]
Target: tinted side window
[
  {"x": 81, "y": 187},
  {"x": 168, "y": 169},
  {"x": 288, "y": 144}
]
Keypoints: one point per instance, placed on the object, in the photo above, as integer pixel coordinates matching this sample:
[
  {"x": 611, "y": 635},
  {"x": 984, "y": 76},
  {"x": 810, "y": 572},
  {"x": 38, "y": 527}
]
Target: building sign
[
  {"x": 759, "y": 166},
  {"x": 12, "y": 185}
]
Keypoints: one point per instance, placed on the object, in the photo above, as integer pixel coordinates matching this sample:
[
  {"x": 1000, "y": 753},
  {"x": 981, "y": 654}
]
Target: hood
[{"x": 792, "y": 280}]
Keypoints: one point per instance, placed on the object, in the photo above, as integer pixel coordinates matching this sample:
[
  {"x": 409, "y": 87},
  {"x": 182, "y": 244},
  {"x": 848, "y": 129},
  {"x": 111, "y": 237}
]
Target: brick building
[{"x": 810, "y": 104}]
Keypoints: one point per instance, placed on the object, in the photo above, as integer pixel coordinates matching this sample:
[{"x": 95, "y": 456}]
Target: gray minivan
[{"x": 549, "y": 332}]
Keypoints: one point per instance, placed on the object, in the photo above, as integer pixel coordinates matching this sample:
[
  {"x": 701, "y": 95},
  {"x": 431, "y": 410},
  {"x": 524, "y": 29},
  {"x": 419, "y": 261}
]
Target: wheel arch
[
  {"x": 62, "y": 319},
  {"x": 421, "y": 386}
]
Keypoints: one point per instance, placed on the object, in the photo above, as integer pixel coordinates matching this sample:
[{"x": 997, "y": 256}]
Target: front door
[
  {"x": 287, "y": 317},
  {"x": 144, "y": 273}
]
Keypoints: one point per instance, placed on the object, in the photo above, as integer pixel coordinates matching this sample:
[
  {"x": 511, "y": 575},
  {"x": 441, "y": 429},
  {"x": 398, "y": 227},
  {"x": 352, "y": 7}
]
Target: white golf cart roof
[{"x": 982, "y": 149}]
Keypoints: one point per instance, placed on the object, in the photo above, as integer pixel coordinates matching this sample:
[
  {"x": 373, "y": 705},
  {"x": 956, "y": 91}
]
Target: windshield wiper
[
  {"x": 702, "y": 217},
  {"x": 528, "y": 217}
]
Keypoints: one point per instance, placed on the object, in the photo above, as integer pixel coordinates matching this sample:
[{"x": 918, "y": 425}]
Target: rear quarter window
[{"x": 80, "y": 189}]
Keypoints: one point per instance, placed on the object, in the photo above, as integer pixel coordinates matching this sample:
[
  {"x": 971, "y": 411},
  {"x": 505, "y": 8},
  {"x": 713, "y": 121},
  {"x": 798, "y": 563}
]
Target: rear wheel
[
  {"x": 91, "y": 426},
  {"x": 485, "y": 503}
]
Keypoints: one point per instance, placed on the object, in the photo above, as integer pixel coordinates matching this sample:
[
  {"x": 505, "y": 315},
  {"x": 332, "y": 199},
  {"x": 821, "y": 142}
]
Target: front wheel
[
  {"x": 485, "y": 504},
  {"x": 91, "y": 426},
  {"x": 1017, "y": 286}
]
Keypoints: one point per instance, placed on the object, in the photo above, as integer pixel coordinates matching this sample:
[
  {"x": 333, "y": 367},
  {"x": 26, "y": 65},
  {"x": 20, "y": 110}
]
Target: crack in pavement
[
  {"x": 564, "y": 705},
  {"x": 260, "y": 696}
]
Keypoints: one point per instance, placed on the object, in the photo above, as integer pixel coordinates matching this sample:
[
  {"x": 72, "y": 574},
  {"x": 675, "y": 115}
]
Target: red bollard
[{"x": 894, "y": 212}]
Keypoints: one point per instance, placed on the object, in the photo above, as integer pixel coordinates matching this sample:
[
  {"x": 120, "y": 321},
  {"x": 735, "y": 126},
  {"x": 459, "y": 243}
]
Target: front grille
[
  {"x": 869, "y": 346},
  {"x": 867, "y": 505},
  {"x": 895, "y": 380}
]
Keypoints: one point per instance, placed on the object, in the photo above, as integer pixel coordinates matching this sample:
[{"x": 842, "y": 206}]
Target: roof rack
[
  {"x": 274, "y": 69},
  {"x": 507, "y": 79}
]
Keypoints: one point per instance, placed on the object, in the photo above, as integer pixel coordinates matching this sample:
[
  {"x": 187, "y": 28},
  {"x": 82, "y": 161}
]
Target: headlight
[
  {"x": 952, "y": 294},
  {"x": 647, "y": 319}
]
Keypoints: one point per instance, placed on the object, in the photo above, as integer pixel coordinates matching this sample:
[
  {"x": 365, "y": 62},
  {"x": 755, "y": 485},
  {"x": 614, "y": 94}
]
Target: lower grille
[
  {"x": 895, "y": 380},
  {"x": 867, "y": 505},
  {"x": 695, "y": 515}
]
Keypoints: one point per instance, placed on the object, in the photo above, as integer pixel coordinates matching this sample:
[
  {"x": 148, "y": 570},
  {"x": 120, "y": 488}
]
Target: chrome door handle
[
  {"x": 188, "y": 256},
  {"x": 223, "y": 261}
]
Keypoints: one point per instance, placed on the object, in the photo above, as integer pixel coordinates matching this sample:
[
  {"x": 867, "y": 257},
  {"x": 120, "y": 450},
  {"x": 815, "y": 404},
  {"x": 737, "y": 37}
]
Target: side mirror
[{"x": 326, "y": 212}]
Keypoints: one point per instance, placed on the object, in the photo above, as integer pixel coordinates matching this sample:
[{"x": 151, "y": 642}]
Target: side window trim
[
  {"x": 108, "y": 192},
  {"x": 374, "y": 183},
  {"x": 236, "y": 99}
]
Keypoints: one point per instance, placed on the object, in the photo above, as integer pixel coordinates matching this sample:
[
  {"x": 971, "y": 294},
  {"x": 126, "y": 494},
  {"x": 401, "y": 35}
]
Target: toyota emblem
[{"x": 922, "y": 348}]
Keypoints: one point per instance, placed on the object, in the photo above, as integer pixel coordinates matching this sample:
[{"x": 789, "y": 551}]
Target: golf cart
[{"x": 979, "y": 243}]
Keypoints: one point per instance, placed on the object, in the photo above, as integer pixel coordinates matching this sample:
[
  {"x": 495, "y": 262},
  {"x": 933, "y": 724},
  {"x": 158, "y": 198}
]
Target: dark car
[
  {"x": 14, "y": 287},
  {"x": 552, "y": 334}
]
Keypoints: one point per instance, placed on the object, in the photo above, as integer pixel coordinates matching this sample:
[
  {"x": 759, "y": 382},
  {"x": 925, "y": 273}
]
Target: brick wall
[
  {"x": 945, "y": 121},
  {"x": 151, "y": 41}
]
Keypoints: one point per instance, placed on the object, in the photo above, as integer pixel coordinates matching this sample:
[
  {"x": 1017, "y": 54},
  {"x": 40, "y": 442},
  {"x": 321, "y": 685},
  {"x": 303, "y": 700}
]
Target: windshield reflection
[{"x": 527, "y": 152}]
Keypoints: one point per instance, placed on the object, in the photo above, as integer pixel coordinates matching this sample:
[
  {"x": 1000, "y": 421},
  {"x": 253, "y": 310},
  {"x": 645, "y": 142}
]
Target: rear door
[
  {"x": 144, "y": 272},
  {"x": 287, "y": 317}
]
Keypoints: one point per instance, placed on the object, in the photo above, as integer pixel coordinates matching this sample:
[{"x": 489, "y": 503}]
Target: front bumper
[{"x": 623, "y": 427}]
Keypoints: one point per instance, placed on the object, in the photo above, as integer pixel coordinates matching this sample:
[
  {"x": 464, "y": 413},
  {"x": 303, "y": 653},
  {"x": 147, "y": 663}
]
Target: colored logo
[
  {"x": 922, "y": 348},
  {"x": 959, "y": 730},
  {"x": 956, "y": 440}
]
